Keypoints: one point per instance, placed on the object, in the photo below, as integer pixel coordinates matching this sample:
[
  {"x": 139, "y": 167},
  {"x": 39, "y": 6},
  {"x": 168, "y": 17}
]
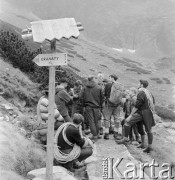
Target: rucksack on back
[{"x": 116, "y": 93}]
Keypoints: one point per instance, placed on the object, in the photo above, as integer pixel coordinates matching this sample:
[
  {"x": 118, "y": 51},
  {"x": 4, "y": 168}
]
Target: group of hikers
[{"x": 90, "y": 111}]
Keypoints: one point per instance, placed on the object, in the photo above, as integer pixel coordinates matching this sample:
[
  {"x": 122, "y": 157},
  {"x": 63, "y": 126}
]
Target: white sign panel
[
  {"x": 55, "y": 28},
  {"x": 53, "y": 59}
]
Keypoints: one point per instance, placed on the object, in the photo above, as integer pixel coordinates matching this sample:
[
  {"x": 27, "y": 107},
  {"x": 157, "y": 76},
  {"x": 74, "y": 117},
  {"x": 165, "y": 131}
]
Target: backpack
[{"x": 116, "y": 93}]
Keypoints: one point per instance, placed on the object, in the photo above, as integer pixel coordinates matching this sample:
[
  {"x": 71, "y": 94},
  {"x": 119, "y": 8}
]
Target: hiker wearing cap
[
  {"x": 113, "y": 95},
  {"x": 62, "y": 98},
  {"x": 142, "y": 114},
  {"x": 92, "y": 99}
]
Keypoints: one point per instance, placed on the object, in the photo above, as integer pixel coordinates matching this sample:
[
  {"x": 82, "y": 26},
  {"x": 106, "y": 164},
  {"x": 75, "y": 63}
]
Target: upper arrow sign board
[{"x": 54, "y": 59}]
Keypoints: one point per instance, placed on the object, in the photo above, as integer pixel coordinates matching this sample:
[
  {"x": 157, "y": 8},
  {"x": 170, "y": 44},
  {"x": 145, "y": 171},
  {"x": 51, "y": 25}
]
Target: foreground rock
[{"x": 59, "y": 173}]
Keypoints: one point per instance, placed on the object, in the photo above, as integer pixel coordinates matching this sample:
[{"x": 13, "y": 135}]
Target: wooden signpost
[
  {"x": 52, "y": 30},
  {"x": 54, "y": 59},
  {"x": 50, "y": 130}
]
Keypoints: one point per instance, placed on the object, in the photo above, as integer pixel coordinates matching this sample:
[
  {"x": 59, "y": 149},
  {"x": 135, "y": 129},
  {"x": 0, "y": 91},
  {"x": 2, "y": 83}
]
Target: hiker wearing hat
[
  {"x": 142, "y": 114},
  {"x": 92, "y": 99},
  {"x": 62, "y": 99},
  {"x": 113, "y": 95}
]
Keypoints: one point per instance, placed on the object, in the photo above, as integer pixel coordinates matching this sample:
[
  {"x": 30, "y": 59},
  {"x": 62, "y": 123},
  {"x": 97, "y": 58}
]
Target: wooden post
[{"x": 50, "y": 129}]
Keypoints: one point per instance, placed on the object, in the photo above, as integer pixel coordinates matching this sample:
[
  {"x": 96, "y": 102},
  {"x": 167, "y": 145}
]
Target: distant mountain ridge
[{"x": 146, "y": 26}]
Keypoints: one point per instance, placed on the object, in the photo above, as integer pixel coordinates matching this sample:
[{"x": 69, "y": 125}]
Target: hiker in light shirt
[{"x": 111, "y": 109}]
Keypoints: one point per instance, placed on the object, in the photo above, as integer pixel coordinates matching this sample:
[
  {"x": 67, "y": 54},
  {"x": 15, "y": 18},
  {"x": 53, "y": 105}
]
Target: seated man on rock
[
  {"x": 42, "y": 117},
  {"x": 71, "y": 147}
]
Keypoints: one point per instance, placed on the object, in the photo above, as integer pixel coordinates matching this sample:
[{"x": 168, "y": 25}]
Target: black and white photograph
[{"x": 87, "y": 89}]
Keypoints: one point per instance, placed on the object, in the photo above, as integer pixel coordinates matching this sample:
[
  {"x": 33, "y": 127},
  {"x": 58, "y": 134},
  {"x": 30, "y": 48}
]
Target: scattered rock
[
  {"x": 14, "y": 115},
  {"x": 7, "y": 118},
  {"x": 23, "y": 132},
  {"x": 18, "y": 123},
  {"x": 11, "y": 113},
  {"x": 1, "y": 118},
  {"x": 14, "y": 121},
  {"x": 7, "y": 107},
  {"x": 167, "y": 125}
]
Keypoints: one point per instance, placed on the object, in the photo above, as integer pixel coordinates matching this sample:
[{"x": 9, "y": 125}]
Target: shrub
[{"x": 15, "y": 51}]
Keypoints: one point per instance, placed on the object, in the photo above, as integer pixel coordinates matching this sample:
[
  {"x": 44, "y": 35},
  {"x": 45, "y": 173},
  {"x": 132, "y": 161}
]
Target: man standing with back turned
[
  {"x": 113, "y": 95},
  {"x": 92, "y": 99}
]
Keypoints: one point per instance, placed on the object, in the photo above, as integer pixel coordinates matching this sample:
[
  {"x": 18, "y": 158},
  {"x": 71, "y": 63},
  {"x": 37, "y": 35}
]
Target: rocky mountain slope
[
  {"x": 143, "y": 25},
  {"x": 88, "y": 57}
]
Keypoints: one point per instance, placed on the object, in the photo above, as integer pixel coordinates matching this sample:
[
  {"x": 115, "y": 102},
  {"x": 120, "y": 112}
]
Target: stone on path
[{"x": 59, "y": 173}]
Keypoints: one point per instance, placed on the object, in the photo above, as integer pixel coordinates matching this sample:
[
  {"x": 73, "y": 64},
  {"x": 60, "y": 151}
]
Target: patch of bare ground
[{"x": 163, "y": 148}]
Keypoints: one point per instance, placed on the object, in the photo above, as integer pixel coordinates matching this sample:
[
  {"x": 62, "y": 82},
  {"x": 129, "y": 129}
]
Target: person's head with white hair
[
  {"x": 133, "y": 91},
  {"x": 100, "y": 77}
]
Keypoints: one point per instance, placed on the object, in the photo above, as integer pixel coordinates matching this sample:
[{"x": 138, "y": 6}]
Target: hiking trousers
[
  {"x": 110, "y": 111},
  {"x": 93, "y": 115},
  {"x": 136, "y": 119}
]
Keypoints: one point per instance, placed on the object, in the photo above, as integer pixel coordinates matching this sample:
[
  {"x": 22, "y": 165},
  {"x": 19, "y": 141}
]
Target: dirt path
[
  {"x": 164, "y": 147},
  {"x": 110, "y": 149}
]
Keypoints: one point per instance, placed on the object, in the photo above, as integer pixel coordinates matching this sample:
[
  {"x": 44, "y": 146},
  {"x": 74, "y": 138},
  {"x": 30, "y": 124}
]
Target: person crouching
[{"x": 70, "y": 146}]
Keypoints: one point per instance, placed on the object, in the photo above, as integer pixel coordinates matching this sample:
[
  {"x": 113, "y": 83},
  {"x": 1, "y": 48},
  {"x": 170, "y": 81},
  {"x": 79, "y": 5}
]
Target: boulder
[
  {"x": 58, "y": 173},
  {"x": 7, "y": 107},
  {"x": 67, "y": 177},
  {"x": 91, "y": 159},
  {"x": 157, "y": 118}
]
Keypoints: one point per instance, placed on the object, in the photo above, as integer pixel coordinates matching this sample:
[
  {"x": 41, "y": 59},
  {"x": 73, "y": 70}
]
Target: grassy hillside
[
  {"x": 18, "y": 155},
  {"x": 144, "y": 25},
  {"x": 18, "y": 88},
  {"x": 86, "y": 57}
]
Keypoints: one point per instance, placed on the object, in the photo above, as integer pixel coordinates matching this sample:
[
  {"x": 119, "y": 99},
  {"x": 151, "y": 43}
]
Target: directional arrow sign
[{"x": 53, "y": 59}]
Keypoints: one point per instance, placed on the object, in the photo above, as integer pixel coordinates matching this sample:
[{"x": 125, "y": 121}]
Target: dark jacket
[
  {"x": 61, "y": 99},
  {"x": 127, "y": 108},
  {"x": 107, "y": 90},
  {"x": 92, "y": 95},
  {"x": 73, "y": 135},
  {"x": 142, "y": 102},
  {"x": 143, "y": 109}
]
